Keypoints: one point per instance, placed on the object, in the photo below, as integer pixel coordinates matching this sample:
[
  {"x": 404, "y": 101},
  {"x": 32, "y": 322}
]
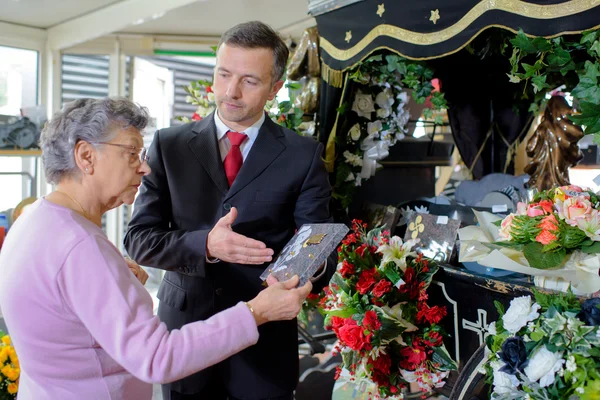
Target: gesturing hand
[{"x": 226, "y": 245}]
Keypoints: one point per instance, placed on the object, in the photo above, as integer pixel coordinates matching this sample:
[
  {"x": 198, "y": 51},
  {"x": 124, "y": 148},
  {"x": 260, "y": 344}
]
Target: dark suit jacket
[{"x": 282, "y": 185}]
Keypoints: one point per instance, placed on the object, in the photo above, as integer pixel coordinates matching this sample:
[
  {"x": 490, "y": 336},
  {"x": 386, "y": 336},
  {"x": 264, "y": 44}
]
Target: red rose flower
[
  {"x": 366, "y": 280},
  {"x": 337, "y": 323},
  {"x": 353, "y": 336},
  {"x": 209, "y": 89},
  {"x": 196, "y": 117},
  {"x": 393, "y": 389},
  {"x": 382, "y": 287},
  {"x": 347, "y": 269},
  {"x": 370, "y": 321}
]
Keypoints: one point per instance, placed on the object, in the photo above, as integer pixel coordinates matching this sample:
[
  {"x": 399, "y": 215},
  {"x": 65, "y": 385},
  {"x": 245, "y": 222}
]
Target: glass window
[
  {"x": 18, "y": 80},
  {"x": 18, "y": 89}
]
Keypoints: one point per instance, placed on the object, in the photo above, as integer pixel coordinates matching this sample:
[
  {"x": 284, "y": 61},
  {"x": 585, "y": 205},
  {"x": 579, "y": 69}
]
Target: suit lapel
[
  {"x": 265, "y": 150},
  {"x": 205, "y": 147}
]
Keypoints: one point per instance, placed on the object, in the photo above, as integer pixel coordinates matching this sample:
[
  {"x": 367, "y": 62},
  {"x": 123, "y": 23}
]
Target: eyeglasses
[{"x": 140, "y": 152}]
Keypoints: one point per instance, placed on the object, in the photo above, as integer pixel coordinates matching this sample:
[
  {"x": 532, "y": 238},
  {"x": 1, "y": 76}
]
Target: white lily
[{"x": 396, "y": 251}]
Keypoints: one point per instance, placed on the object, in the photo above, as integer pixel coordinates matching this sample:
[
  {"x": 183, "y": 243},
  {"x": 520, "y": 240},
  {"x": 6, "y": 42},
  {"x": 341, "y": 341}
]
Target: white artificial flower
[
  {"x": 385, "y": 99},
  {"x": 531, "y": 326},
  {"x": 373, "y": 128},
  {"x": 354, "y": 132},
  {"x": 358, "y": 181},
  {"x": 363, "y": 105},
  {"x": 503, "y": 382},
  {"x": 353, "y": 159},
  {"x": 520, "y": 312},
  {"x": 403, "y": 97},
  {"x": 571, "y": 365},
  {"x": 527, "y": 397},
  {"x": 580, "y": 390},
  {"x": 400, "y": 136},
  {"x": 526, "y": 338},
  {"x": 350, "y": 177},
  {"x": 492, "y": 328},
  {"x": 383, "y": 112},
  {"x": 573, "y": 379},
  {"x": 211, "y": 97},
  {"x": 397, "y": 251},
  {"x": 421, "y": 210},
  {"x": 543, "y": 365}
]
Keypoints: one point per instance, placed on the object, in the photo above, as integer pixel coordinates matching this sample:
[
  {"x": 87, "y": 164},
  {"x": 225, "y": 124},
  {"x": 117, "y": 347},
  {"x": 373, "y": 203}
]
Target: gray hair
[
  {"x": 91, "y": 120},
  {"x": 257, "y": 35}
]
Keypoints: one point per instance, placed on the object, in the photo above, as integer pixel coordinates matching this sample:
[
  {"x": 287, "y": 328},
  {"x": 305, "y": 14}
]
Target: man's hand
[
  {"x": 226, "y": 245},
  {"x": 137, "y": 270}
]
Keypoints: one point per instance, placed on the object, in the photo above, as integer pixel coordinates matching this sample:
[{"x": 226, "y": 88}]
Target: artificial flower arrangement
[
  {"x": 557, "y": 235},
  {"x": 376, "y": 303},
  {"x": 545, "y": 349},
  {"x": 9, "y": 369},
  {"x": 376, "y": 116}
]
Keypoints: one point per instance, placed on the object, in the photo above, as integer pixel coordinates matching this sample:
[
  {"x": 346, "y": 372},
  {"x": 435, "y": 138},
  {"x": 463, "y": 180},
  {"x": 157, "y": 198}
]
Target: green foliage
[
  {"x": 545, "y": 64},
  {"x": 537, "y": 258}
]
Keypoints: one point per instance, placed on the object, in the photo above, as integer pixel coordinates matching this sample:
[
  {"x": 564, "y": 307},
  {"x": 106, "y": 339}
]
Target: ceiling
[{"x": 203, "y": 18}]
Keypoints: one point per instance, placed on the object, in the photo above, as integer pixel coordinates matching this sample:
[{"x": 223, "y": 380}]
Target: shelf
[{"x": 20, "y": 153}]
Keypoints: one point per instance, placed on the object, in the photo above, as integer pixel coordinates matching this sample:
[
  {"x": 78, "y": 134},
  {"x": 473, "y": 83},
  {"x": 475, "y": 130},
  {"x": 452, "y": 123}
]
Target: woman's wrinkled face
[{"x": 118, "y": 168}]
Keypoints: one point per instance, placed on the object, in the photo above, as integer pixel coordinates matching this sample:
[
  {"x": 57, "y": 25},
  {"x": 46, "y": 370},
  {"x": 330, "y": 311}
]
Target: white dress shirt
[{"x": 225, "y": 144}]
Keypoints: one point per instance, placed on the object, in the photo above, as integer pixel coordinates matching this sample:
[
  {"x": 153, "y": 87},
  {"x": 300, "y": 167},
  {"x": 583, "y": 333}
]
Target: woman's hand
[
  {"x": 137, "y": 270},
  {"x": 280, "y": 301}
]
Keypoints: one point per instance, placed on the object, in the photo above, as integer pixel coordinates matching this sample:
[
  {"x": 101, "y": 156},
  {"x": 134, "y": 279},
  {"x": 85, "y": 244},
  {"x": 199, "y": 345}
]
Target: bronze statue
[{"x": 553, "y": 148}]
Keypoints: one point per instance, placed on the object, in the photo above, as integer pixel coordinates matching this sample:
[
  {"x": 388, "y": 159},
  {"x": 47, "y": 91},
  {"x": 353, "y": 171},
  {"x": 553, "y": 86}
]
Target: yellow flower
[
  {"x": 13, "y": 355},
  {"x": 13, "y": 374},
  {"x": 3, "y": 355},
  {"x": 6, "y": 370},
  {"x": 13, "y": 388},
  {"x": 6, "y": 340}
]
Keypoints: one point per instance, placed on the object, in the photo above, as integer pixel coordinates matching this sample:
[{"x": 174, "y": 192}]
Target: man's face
[{"x": 243, "y": 83}]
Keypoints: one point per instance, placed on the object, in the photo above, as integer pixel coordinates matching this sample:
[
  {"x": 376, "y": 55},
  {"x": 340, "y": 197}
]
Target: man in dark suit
[{"x": 224, "y": 194}]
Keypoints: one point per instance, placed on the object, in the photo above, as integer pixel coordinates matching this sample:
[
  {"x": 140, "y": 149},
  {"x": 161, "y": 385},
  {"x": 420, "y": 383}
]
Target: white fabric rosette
[
  {"x": 374, "y": 150},
  {"x": 580, "y": 269}
]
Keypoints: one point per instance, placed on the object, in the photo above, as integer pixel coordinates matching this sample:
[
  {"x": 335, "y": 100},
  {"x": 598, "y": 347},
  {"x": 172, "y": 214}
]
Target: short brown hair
[{"x": 255, "y": 35}]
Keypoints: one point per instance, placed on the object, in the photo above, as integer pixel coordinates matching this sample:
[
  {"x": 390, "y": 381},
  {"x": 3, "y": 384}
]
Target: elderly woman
[{"x": 81, "y": 323}]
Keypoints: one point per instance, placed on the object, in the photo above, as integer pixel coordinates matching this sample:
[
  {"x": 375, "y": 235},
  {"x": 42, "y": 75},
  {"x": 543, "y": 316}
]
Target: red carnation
[
  {"x": 361, "y": 249},
  {"x": 382, "y": 287},
  {"x": 347, "y": 269},
  {"x": 370, "y": 321},
  {"x": 432, "y": 315},
  {"x": 382, "y": 363},
  {"x": 366, "y": 280},
  {"x": 433, "y": 339}
]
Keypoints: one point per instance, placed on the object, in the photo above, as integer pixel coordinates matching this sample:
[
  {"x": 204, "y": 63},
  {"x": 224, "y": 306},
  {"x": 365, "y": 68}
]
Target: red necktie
[{"x": 234, "y": 160}]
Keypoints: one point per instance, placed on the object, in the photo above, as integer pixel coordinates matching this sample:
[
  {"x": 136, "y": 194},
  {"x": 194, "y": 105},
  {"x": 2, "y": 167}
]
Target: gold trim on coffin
[{"x": 513, "y": 6}]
